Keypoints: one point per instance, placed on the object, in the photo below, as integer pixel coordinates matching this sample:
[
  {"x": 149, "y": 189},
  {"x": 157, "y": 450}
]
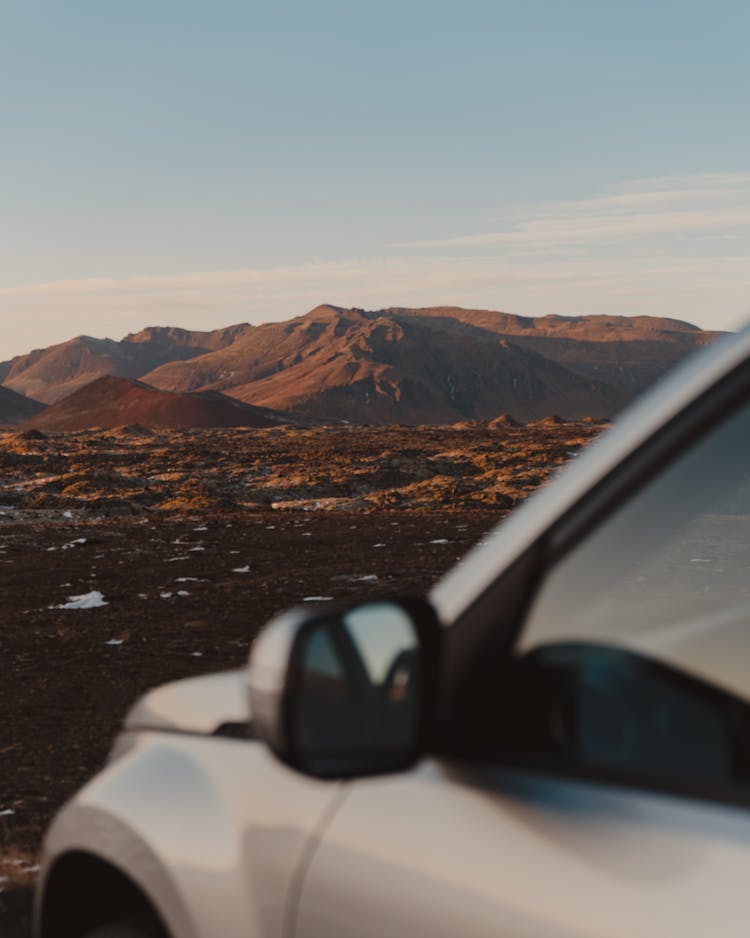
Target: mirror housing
[{"x": 339, "y": 692}]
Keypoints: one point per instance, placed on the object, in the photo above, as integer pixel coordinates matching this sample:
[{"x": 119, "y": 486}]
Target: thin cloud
[
  {"x": 675, "y": 246},
  {"x": 684, "y": 206},
  {"x": 712, "y": 292}
]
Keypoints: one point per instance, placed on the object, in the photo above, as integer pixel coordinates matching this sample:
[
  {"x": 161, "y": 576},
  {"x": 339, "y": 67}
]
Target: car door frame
[{"x": 492, "y": 625}]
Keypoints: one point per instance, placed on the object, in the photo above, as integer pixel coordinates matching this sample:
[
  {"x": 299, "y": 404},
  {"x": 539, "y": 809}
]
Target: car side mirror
[{"x": 338, "y": 693}]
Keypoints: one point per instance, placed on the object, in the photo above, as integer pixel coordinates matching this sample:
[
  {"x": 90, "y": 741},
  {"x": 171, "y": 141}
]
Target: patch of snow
[
  {"x": 194, "y": 549},
  {"x": 175, "y": 559},
  {"x": 7, "y": 812},
  {"x": 68, "y": 515},
  {"x": 165, "y": 595},
  {"x": 75, "y": 543},
  {"x": 378, "y": 545},
  {"x": 366, "y": 578},
  {"x": 92, "y": 600},
  {"x": 196, "y": 654},
  {"x": 182, "y": 593},
  {"x": 245, "y": 569},
  {"x": 201, "y": 528},
  {"x": 115, "y": 641},
  {"x": 187, "y": 579},
  {"x": 317, "y": 599},
  {"x": 440, "y": 540}
]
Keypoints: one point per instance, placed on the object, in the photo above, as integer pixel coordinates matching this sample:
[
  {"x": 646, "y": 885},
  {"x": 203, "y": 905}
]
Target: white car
[{"x": 554, "y": 744}]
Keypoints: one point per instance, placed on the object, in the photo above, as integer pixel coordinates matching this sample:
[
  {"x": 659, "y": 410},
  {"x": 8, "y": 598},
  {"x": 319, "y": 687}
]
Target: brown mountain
[
  {"x": 433, "y": 365},
  {"x": 53, "y": 373},
  {"x": 15, "y": 408},
  {"x": 439, "y": 365},
  {"x": 113, "y": 402},
  {"x": 628, "y": 351}
]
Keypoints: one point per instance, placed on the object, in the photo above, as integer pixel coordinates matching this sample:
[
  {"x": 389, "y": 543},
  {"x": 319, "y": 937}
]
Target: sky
[{"x": 172, "y": 162}]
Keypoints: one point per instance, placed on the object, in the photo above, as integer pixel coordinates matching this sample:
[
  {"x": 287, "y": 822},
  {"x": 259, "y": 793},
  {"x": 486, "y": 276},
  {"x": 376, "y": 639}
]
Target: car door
[{"x": 594, "y": 778}]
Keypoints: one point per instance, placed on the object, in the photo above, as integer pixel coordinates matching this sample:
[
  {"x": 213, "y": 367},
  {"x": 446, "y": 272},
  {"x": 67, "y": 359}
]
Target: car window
[
  {"x": 668, "y": 573},
  {"x": 634, "y": 661}
]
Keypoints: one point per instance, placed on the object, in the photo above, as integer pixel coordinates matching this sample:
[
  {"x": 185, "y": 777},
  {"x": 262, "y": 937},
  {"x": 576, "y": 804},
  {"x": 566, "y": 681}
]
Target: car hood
[{"x": 193, "y": 705}]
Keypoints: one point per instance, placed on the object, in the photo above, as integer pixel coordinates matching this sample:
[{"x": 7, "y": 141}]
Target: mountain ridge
[
  {"x": 52, "y": 373},
  {"x": 438, "y": 364}
]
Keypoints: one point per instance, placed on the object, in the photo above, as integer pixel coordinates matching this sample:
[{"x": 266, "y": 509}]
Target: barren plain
[{"x": 193, "y": 539}]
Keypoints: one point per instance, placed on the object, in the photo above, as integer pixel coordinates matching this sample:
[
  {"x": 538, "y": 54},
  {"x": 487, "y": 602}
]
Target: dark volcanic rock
[{"x": 482, "y": 464}]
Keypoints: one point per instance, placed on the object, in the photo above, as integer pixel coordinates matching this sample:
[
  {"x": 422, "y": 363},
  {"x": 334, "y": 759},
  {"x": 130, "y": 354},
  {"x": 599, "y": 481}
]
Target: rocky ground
[
  {"x": 135, "y": 472},
  {"x": 193, "y": 540}
]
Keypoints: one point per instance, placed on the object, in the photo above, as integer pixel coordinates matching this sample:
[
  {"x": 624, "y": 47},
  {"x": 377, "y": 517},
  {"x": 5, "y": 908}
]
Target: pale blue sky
[{"x": 176, "y": 162}]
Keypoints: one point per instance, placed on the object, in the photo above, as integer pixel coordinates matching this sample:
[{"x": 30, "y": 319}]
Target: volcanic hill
[
  {"x": 53, "y": 373},
  {"x": 15, "y": 408},
  {"x": 110, "y": 401},
  {"x": 435, "y": 365}
]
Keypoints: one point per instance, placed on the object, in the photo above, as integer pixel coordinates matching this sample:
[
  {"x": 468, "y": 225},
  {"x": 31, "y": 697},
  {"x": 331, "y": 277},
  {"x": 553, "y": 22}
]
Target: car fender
[{"x": 213, "y": 831}]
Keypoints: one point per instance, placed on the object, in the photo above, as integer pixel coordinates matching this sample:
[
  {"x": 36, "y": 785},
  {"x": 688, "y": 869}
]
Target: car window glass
[
  {"x": 668, "y": 573},
  {"x": 632, "y": 665}
]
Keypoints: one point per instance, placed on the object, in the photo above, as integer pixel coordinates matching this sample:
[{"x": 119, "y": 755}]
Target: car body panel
[
  {"x": 213, "y": 830},
  {"x": 445, "y": 850},
  {"x": 193, "y": 705}
]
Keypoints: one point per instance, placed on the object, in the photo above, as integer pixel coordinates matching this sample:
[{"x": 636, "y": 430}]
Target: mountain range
[{"x": 397, "y": 365}]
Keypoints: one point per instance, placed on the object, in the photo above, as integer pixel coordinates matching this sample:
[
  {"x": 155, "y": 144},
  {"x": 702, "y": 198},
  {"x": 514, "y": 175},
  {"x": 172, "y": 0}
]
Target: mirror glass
[{"x": 356, "y": 698}]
